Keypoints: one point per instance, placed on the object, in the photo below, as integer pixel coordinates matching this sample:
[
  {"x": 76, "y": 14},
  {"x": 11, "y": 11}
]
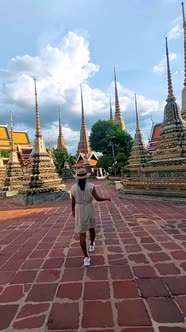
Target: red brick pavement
[{"x": 137, "y": 281}]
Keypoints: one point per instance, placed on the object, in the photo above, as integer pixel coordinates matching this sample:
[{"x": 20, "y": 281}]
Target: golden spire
[
  {"x": 111, "y": 115},
  {"x": 118, "y": 115},
  {"x": 117, "y": 106},
  {"x": 38, "y": 127},
  {"x": 83, "y": 145},
  {"x": 61, "y": 141},
  {"x": 170, "y": 88}
]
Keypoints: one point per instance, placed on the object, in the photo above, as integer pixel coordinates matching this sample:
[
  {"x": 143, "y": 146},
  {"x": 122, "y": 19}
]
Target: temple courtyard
[{"x": 137, "y": 281}]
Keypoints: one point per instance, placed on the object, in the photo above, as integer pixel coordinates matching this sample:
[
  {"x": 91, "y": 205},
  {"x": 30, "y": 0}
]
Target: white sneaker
[
  {"x": 86, "y": 261},
  {"x": 92, "y": 248}
]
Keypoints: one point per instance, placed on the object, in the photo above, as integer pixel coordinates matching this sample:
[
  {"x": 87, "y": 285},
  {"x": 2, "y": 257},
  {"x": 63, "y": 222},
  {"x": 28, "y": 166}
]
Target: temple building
[
  {"x": 83, "y": 145},
  {"x": 61, "y": 142},
  {"x": 21, "y": 141},
  {"x": 118, "y": 115},
  {"x": 42, "y": 174},
  {"x": 91, "y": 158},
  {"x": 139, "y": 153}
]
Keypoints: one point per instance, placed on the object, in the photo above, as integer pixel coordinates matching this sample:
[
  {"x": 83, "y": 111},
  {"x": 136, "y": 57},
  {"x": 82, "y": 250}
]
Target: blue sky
[{"x": 81, "y": 41}]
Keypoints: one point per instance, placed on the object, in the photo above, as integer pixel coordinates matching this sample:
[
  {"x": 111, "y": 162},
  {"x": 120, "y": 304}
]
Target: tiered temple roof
[
  {"x": 83, "y": 157},
  {"x": 154, "y": 136},
  {"x": 139, "y": 154},
  {"x": 83, "y": 145},
  {"x": 21, "y": 142}
]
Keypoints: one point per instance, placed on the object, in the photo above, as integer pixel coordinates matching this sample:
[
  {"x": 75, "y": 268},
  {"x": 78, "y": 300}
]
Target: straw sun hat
[{"x": 81, "y": 173}]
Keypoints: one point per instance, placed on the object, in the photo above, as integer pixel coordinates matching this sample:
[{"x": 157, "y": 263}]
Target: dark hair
[{"x": 82, "y": 183}]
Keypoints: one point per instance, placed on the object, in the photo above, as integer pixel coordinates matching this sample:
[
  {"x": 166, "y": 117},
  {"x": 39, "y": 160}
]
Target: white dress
[{"x": 84, "y": 208}]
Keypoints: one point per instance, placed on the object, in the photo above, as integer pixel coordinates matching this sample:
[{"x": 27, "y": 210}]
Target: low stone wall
[{"x": 41, "y": 197}]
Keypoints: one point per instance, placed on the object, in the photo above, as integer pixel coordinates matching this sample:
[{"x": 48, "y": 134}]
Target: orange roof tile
[{"x": 156, "y": 132}]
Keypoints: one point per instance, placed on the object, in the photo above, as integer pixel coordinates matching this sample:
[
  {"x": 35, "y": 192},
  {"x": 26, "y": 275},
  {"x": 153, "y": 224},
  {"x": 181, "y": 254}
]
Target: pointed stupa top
[
  {"x": 83, "y": 145},
  {"x": 169, "y": 79},
  {"x": 82, "y": 109},
  {"x": 118, "y": 115},
  {"x": 183, "y": 14},
  {"x": 38, "y": 126},
  {"x": 39, "y": 144},
  {"x": 138, "y": 155},
  {"x": 117, "y": 105},
  {"x": 60, "y": 124},
  {"x": 111, "y": 115},
  {"x": 61, "y": 141},
  {"x": 136, "y": 107}
]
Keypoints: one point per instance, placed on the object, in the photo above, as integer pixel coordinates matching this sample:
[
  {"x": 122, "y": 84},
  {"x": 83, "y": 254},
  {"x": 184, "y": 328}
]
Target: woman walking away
[{"x": 83, "y": 210}]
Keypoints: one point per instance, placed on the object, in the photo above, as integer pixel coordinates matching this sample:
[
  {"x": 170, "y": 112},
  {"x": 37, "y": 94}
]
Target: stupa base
[{"x": 40, "y": 198}]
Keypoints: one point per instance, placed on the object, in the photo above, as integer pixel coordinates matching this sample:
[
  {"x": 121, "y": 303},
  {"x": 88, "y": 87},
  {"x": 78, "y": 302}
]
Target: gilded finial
[{"x": 117, "y": 106}]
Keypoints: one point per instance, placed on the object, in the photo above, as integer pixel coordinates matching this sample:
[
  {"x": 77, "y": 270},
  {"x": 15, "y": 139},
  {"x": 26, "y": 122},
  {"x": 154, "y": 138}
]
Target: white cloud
[
  {"x": 175, "y": 32},
  {"x": 160, "y": 67},
  {"x": 59, "y": 71}
]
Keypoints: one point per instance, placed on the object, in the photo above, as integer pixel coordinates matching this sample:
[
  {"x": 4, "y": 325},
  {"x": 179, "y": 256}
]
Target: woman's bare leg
[
  {"x": 83, "y": 244},
  {"x": 92, "y": 235}
]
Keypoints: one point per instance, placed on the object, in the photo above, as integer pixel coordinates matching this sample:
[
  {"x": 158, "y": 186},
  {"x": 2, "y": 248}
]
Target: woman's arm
[
  {"x": 73, "y": 206},
  {"x": 97, "y": 197}
]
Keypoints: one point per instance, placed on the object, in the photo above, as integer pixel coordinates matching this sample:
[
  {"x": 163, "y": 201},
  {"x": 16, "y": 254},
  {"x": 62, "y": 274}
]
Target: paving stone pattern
[{"x": 137, "y": 281}]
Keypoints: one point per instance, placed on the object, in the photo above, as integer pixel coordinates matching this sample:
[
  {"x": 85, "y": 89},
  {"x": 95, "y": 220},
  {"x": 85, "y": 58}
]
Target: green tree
[
  {"x": 62, "y": 156},
  {"x": 5, "y": 153},
  {"x": 105, "y": 162},
  {"x": 71, "y": 160},
  {"x": 108, "y": 138}
]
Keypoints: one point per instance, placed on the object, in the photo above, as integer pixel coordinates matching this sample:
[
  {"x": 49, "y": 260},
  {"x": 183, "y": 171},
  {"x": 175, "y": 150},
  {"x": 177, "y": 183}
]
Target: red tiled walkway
[{"x": 137, "y": 281}]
